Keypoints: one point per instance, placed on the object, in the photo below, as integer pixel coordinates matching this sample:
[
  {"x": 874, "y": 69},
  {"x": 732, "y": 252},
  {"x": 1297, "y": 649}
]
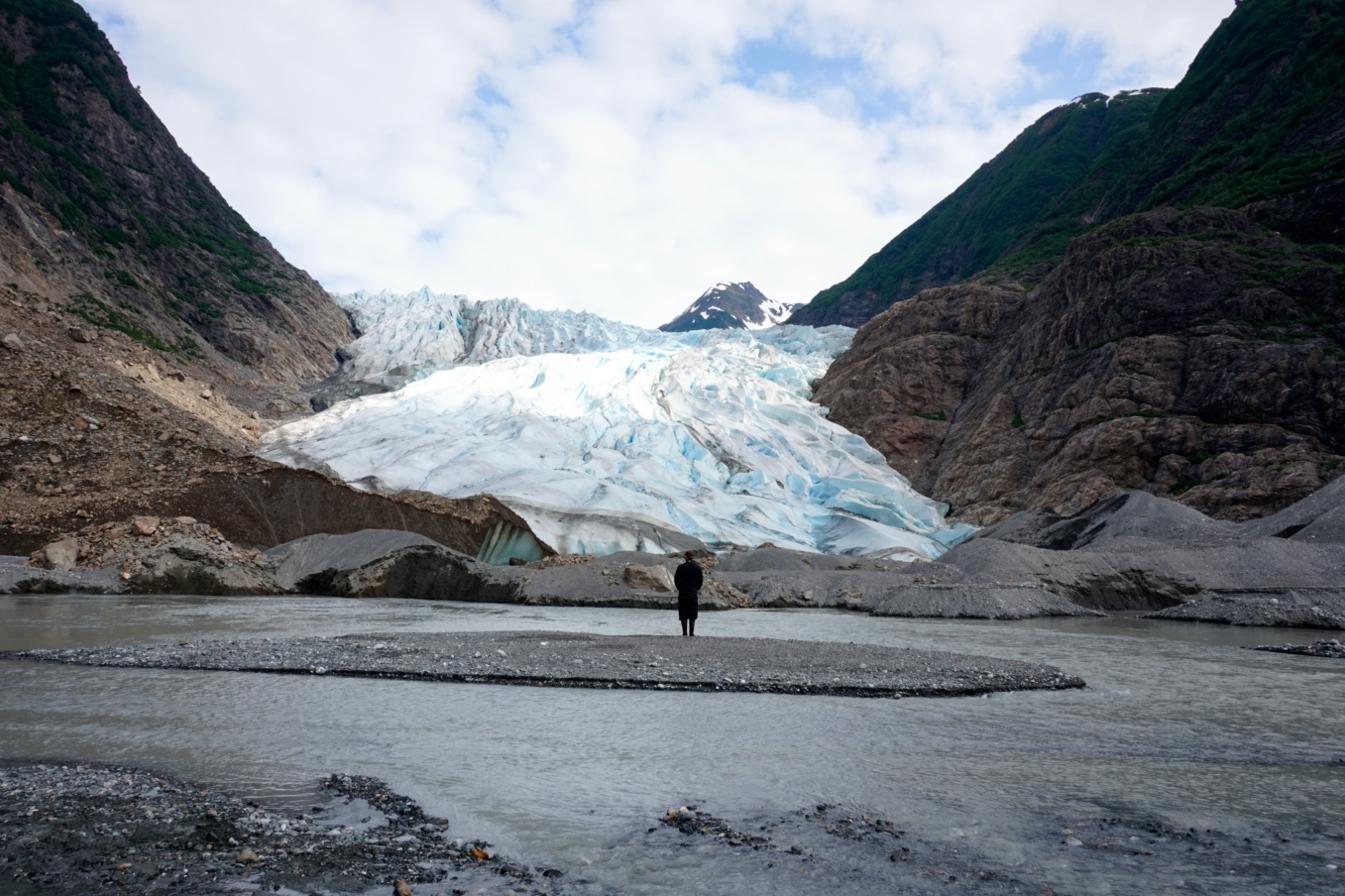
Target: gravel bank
[
  {"x": 568, "y": 659},
  {"x": 1298, "y": 608},
  {"x": 1330, "y": 648},
  {"x": 88, "y": 829}
]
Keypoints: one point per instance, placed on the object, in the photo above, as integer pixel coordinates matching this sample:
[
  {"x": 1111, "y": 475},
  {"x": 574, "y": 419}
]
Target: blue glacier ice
[{"x": 603, "y": 435}]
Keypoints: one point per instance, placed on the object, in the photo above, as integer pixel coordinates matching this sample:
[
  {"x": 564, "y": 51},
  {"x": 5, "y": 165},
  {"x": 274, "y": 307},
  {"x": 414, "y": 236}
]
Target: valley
[{"x": 1022, "y": 547}]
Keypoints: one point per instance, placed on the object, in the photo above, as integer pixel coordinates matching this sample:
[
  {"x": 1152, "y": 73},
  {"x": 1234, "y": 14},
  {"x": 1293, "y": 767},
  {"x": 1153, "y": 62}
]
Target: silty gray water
[{"x": 1177, "y": 722}]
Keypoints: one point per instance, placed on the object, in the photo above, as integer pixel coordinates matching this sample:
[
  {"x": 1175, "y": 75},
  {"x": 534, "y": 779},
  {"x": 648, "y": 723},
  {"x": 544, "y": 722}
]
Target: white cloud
[{"x": 625, "y": 163}]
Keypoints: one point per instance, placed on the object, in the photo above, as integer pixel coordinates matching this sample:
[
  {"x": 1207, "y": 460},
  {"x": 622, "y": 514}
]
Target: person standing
[{"x": 688, "y": 580}]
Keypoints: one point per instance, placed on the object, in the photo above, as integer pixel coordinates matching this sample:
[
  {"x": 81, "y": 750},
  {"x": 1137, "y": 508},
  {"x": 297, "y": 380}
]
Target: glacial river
[{"x": 1177, "y": 723}]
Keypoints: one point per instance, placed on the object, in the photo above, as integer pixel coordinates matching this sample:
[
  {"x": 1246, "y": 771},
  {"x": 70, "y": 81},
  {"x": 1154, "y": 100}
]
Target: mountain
[
  {"x": 1179, "y": 345},
  {"x": 144, "y": 325},
  {"x": 1258, "y": 119},
  {"x": 104, "y": 215},
  {"x": 1016, "y": 195},
  {"x": 1192, "y": 353},
  {"x": 730, "y": 306},
  {"x": 605, "y": 437}
]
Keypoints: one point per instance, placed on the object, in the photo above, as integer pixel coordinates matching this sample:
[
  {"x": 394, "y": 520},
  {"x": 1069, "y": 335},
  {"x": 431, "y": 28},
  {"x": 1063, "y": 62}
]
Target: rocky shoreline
[
  {"x": 568, "y": 659},
  {"x": 1129, "y": 552},
  {"x": 1330, "y": 648},
  {"x": 93, "y": 829},
  {"x": 97, "y": 830}
]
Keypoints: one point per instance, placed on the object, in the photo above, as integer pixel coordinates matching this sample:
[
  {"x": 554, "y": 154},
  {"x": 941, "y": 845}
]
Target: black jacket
[{"x": 688, "y": 579}]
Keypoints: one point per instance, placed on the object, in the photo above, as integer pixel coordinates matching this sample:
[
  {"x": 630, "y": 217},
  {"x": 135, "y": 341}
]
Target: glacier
[{"x": 606, "y": 437}]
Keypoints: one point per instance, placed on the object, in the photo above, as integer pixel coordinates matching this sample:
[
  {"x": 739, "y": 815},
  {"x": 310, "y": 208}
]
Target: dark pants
[{"x": 688, "y": 607}]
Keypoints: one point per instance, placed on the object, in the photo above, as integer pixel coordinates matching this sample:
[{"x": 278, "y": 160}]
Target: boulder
[
  {"x": 61, "y": 555},
  {"x": 648, "y": 578},
  {"x": 12, "y": 342},
  {"x": 144, "y": 525},
  {"x": 191, "y": 566},
  {"x": 306, "y": 564}
]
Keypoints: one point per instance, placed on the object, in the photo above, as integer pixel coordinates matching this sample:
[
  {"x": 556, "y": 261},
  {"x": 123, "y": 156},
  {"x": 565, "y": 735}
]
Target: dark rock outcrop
[{"x": 1193, "y": 354}]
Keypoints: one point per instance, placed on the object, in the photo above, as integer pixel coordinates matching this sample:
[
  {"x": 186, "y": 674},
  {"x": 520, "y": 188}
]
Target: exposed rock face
[
  {"x": 1193, "y": 354},
  {"x": 149, "y": 324}
]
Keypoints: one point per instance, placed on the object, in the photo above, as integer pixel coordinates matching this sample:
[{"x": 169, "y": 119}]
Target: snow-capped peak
[{"x": 730, "y": 306}]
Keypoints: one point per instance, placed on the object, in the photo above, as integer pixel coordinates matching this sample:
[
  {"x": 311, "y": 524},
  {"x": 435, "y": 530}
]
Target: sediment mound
[{"x": 569, "y": 659}]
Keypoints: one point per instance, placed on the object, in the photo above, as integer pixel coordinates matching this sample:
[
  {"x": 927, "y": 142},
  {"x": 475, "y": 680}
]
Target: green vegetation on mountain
[
  {"x": 1258, "y": 118},
  {"x": 1260, "y": 113},
  {"x": 105, "y": 206},
  {"x": 1017, "y": 192}
]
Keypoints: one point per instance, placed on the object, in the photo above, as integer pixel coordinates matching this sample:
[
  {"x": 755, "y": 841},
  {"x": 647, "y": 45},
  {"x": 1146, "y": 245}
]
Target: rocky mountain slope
[
  {"x": 1188, "y": 350},
  {"x": 1187, "y": 353},
  {"x": 103, "y": 217},
  {"x": 147, "y": 333},
  {"x": 730, "y": 306},
  {"x": 1258, "y": 119}
]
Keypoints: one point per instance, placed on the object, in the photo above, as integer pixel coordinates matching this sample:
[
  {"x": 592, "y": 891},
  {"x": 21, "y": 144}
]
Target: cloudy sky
[{"x": 617, "y": 156}]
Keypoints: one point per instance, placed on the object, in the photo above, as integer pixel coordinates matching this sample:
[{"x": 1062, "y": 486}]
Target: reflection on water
[{"x": 1177, "y": 720}]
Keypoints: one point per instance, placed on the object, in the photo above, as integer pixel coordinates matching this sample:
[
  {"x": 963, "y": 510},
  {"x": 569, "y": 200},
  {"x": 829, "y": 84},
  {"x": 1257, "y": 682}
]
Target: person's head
[{"x": 689, "y": 554}]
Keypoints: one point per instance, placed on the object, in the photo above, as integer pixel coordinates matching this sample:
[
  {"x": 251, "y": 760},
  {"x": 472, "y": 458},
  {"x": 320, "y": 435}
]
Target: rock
[
  {"x": 248, "y": 857},
  {"x": 79, "y": 334},
  {"x": 1155, "y": 356},
  {"x": 62, "y": 555},
  {"x": 12, "y": 342},
  {"x": 648, "y": 578},
  {"x": 207, "y": 394},
  {"x": 316, "y": 562},
  {"x": 401, "y": 888},
  {"x": 185, "y": 520},
  {"x": 144, "y": 525},
  {"x": 1330, "y": 648}
]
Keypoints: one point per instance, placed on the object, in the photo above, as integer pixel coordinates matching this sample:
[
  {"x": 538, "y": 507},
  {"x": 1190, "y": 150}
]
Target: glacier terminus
[{"x": 605, "y": 436}]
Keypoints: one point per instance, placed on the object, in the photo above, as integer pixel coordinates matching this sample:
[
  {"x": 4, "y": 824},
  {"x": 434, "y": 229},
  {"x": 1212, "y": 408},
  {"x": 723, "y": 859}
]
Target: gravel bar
[
  {"x": 1330, "y": 648},
  {"x": 81, "y": 829},
  {"x": 568, "y": 659}
]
